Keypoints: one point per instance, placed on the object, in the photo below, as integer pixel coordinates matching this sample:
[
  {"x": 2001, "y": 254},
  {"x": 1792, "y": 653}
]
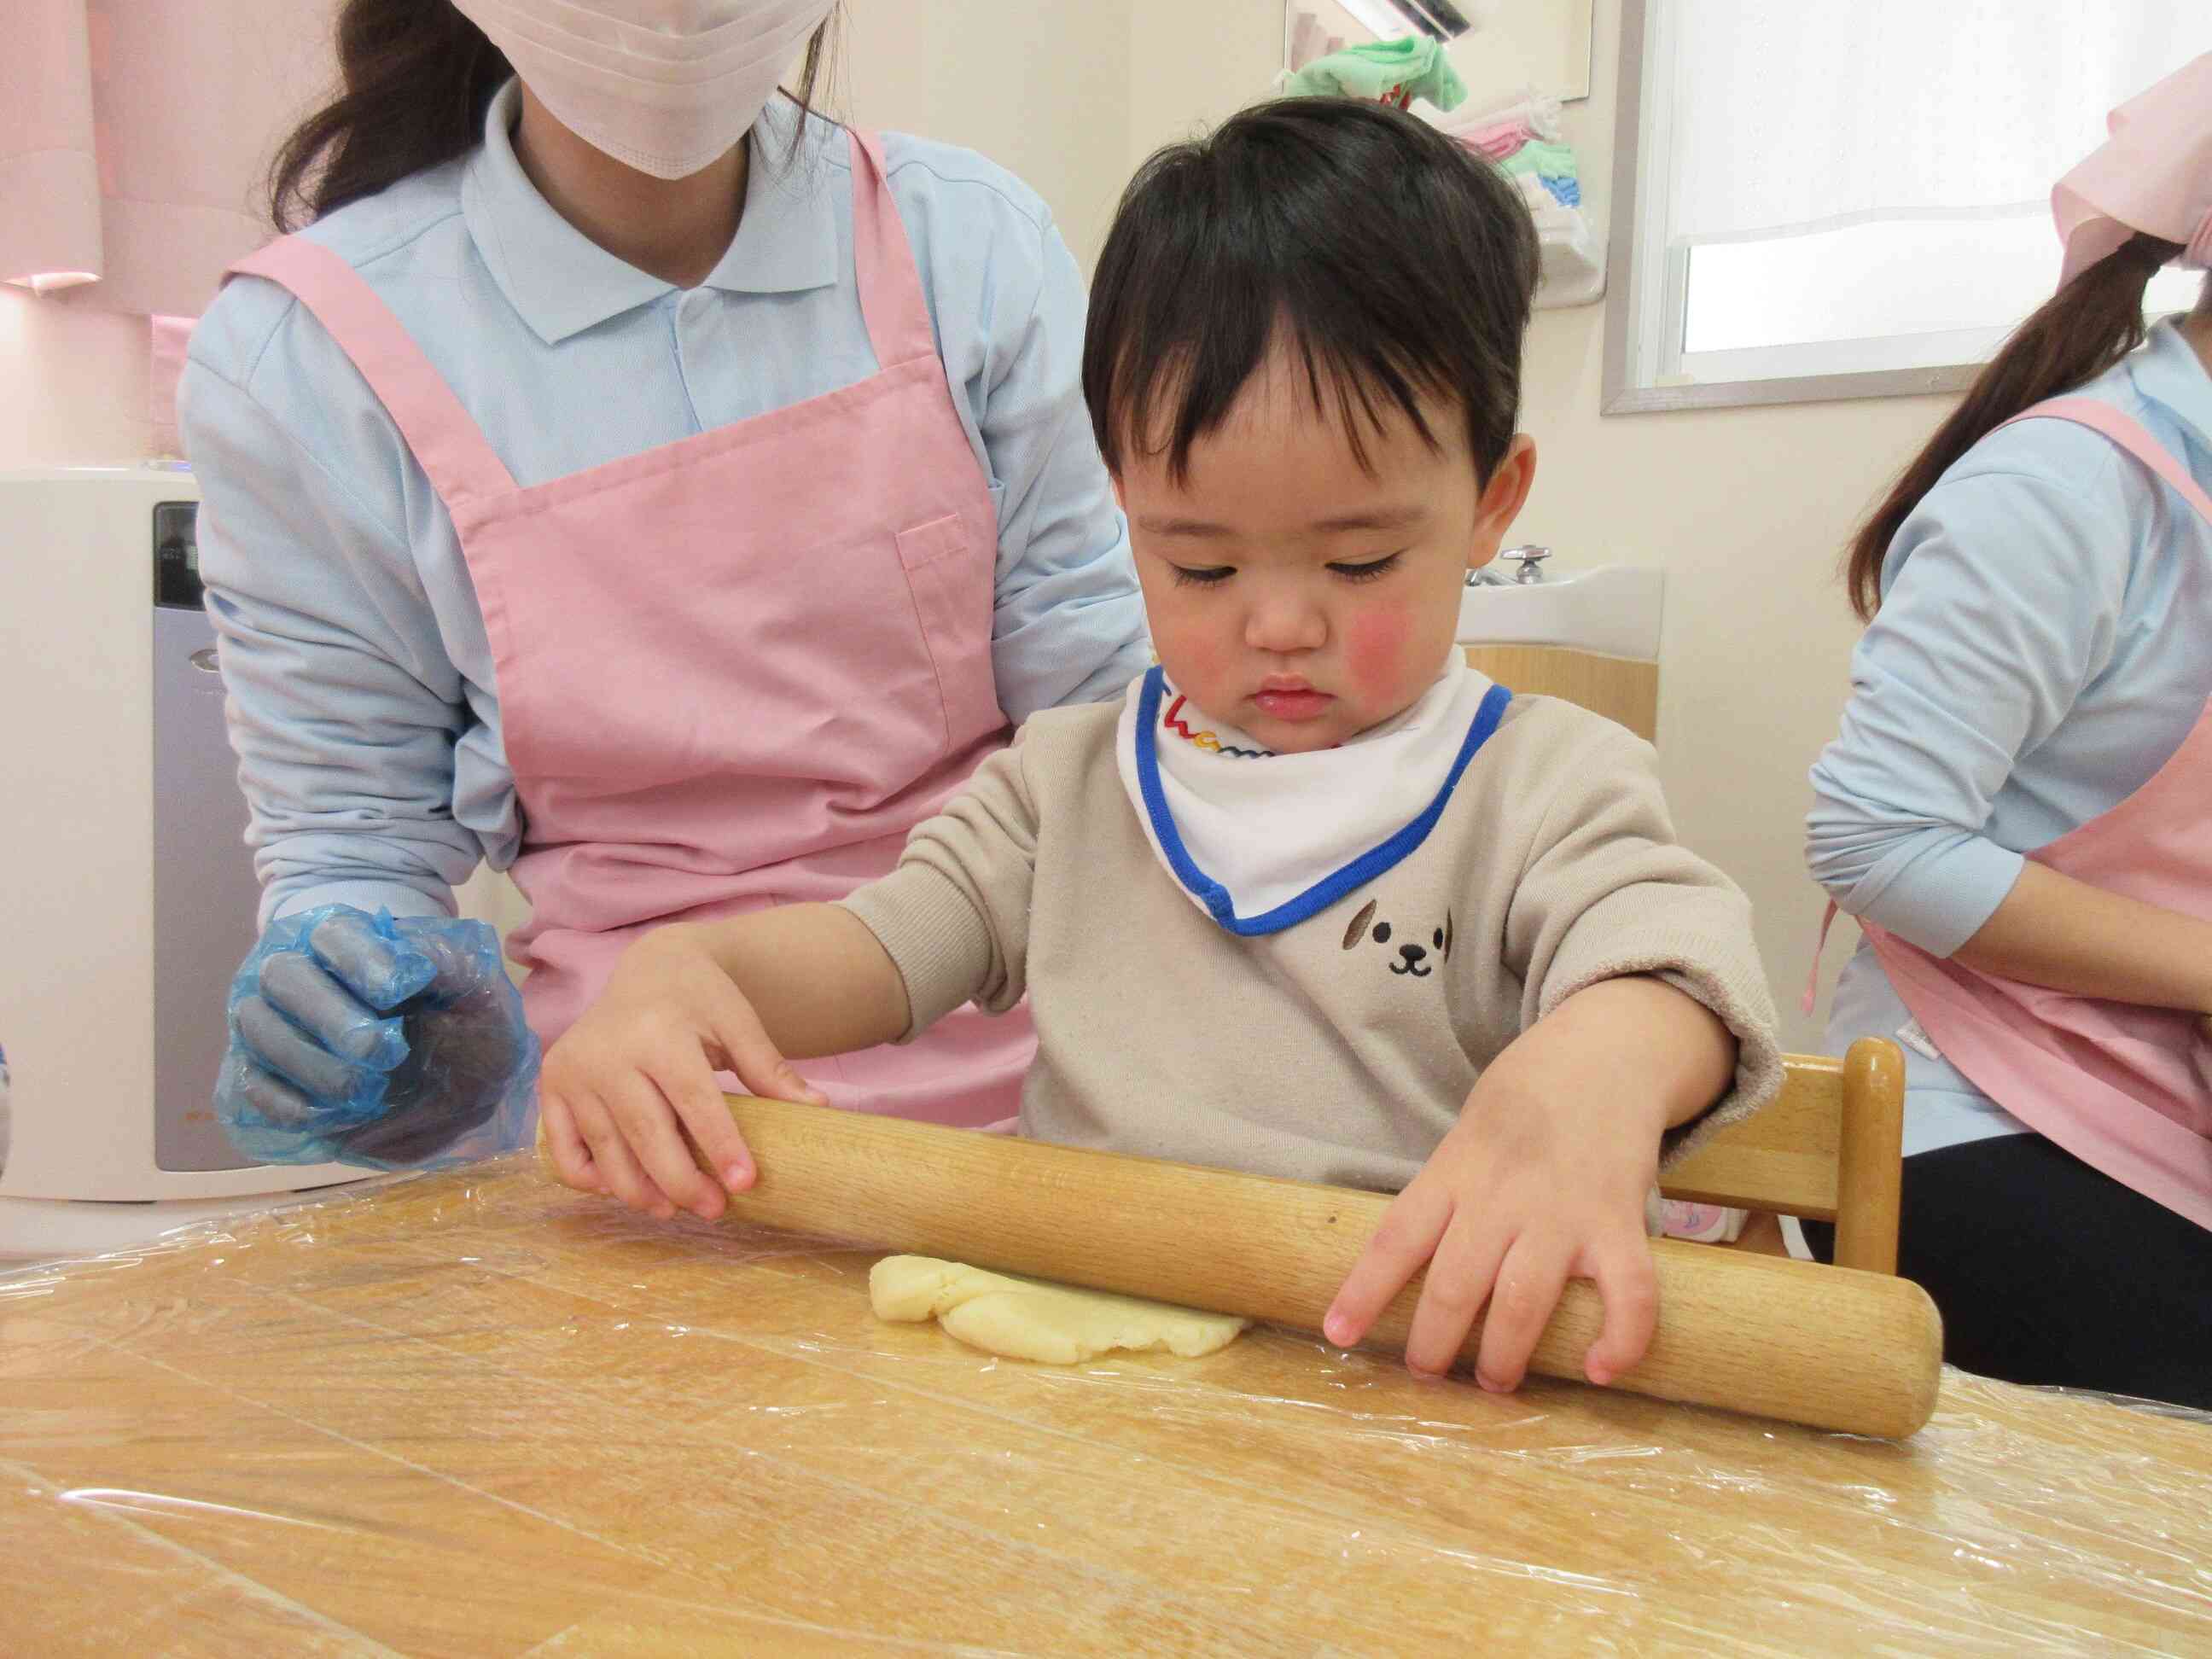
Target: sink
[{"x": 1613, "y": 610}]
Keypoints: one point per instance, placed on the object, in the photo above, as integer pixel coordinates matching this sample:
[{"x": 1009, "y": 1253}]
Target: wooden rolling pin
[{"x": 1830, "y": 1347}]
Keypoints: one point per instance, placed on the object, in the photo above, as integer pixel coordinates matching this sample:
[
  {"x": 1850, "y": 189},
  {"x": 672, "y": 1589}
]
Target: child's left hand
[{"x": 1543, "y": 1179}]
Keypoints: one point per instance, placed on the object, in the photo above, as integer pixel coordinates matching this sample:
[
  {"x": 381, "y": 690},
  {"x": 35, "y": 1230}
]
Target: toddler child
[{"x": 1314, "y": 899}]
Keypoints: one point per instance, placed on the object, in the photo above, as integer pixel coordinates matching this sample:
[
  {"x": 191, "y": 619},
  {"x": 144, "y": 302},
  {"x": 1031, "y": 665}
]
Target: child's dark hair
[
  {"x": 1391, "y": 259},
  {"x": 414, "y": 77}
]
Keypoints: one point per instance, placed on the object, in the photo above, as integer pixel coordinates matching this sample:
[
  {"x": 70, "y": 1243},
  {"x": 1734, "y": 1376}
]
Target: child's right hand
[{"x": 638, "y": 1068}]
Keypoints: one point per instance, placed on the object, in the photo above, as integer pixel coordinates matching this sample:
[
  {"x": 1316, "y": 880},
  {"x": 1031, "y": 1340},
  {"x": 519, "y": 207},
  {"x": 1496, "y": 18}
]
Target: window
[{"x": 1830, "y": 200}]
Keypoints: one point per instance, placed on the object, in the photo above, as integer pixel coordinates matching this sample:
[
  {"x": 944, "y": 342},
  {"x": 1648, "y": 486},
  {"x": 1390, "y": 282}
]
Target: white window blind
[
  {"x": 1846, "y": 187},
  {"x": 1811, "y": 115}
]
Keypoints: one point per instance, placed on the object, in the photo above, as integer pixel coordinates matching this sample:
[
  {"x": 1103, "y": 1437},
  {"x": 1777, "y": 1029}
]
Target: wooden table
[{"x": 476, "y": 1414}]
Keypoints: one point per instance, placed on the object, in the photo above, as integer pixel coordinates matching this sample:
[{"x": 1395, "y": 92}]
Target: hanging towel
[
  {"x": 1552, "y": 165},
  {"x": 1498, "y": 140},
  {"x": 1384, "y": 72}
]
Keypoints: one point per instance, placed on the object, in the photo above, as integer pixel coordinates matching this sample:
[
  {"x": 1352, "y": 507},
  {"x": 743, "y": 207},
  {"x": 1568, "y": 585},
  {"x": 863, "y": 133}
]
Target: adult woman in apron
[
  {"x": 2019, "y": 807},
  {"x": 637, "y": 480}
]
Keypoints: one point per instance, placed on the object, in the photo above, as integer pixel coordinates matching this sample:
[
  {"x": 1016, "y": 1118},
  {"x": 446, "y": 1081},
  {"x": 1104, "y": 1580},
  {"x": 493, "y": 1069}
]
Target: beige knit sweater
[{"x": 1301, "y": 1052}]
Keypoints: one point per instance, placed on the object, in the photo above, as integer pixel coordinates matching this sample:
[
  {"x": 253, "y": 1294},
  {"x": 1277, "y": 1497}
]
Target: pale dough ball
[{"x": 1026, "y": 1318}]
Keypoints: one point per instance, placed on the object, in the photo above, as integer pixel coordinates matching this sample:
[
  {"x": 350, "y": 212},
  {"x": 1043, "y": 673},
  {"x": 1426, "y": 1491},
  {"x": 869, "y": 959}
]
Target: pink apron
[
  {"x": 2128, "y": 1090},
  {"x": 733, "y": 670}
]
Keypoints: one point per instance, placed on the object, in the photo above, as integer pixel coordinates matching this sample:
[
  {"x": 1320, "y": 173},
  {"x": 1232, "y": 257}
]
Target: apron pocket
[
  {"x": 949, "y": 566},
  {"x": 797, "y": 676}
]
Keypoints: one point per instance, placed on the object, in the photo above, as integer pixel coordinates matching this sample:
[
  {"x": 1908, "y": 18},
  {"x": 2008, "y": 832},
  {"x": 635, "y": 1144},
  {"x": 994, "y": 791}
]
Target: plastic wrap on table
[
  {"x": 475, "y": 1413},
  {"x": 390, "y": 1044}
]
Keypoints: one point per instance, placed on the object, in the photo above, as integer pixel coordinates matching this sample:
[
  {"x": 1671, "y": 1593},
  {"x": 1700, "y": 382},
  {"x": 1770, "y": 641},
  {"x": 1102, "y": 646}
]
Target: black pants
[{"x": 2048, "y": 1271}]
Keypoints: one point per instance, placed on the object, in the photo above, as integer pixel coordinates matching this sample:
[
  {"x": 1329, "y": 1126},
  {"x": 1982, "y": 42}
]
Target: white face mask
[{"x": 664, "y": 86}]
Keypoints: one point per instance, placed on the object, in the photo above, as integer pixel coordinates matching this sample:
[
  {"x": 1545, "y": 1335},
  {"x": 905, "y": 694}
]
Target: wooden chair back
[
  {"x": 1828, "y": 1149},
  {"x": 1621, "y": 688}
]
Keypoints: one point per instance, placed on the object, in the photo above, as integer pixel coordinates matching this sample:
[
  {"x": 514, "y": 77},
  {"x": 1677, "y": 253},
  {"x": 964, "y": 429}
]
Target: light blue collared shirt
[
  {"x": 364, "y": 708},
  {"x": 2044, "y": 645}
]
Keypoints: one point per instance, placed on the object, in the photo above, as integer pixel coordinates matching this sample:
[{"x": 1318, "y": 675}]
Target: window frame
[{"x": 1636, "y": 320}]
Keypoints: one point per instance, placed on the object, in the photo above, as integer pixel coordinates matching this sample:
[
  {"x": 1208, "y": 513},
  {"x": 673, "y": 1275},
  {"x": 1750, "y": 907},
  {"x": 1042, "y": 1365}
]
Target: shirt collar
[
  {"x": 786, "y": 240},
  {"x": 2168, "y": 371},
  {"x": 562, "y": 283}
]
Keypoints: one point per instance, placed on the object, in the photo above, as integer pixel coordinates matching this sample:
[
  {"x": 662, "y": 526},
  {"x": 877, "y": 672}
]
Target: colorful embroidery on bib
[{"x": 1206, "y": 740}]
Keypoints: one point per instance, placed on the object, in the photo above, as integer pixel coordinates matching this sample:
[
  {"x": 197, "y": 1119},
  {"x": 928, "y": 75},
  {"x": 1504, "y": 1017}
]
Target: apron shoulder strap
[
  {"x": 2130, "y": 434},
  {"x": 892, "y": 300},
  {"x": 450, "y": 446}
]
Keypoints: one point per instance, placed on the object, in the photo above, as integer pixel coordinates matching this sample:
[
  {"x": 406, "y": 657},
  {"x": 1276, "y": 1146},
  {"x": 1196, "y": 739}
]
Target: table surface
[{"x": 474, "y": 1414}]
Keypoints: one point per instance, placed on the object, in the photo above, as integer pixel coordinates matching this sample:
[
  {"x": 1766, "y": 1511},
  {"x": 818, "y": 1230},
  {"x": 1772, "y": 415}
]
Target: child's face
[{"x": 1293, "y": 593}]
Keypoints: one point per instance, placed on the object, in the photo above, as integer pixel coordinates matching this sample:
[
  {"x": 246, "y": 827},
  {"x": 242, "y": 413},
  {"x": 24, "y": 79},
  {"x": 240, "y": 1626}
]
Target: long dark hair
[
  {"x": 2076, "y": 335},
  {"x": 414, "y": 77}
]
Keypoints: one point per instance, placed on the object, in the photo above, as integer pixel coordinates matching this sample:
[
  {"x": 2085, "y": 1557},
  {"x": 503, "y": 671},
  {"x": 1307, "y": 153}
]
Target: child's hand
[
  {"x": 642, "y": 1061},
  {"x": 1543, "y": 1179},
  {"x": 1525, "y": 1193}
]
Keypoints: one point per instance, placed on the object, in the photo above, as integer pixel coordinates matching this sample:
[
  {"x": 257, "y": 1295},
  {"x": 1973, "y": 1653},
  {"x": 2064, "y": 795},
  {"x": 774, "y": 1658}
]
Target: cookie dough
[{"x": 1027, "y": 1319}]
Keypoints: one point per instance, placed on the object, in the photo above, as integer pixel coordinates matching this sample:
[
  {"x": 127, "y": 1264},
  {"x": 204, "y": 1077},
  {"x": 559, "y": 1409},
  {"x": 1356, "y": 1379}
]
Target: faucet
[{"x": 1530, "y": 559}]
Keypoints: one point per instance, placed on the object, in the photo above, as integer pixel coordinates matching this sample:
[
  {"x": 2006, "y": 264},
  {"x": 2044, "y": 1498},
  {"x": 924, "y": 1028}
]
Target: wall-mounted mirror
[{"x": 1501, "y": 48}]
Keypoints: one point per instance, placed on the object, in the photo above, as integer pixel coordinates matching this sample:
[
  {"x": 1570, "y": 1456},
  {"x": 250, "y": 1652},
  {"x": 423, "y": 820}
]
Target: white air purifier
[{"x": 127, "y": 894}]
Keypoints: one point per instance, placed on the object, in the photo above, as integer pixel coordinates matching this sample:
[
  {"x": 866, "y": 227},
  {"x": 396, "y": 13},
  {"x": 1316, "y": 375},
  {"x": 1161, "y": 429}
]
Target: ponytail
[
  {"x": 2078, "y": 333},
  {"x": 414, "y": 77}
]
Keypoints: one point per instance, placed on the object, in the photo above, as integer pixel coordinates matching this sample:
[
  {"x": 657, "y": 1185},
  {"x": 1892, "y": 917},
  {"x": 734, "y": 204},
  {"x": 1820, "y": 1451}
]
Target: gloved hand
[{"x": 360, "y": 1039}]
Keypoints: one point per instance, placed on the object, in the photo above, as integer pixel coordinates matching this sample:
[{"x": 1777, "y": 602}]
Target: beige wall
[
  {"x": 72, "y": 384},
  {"x": 1196, "y": 61},
  {"x": 1041, "y": 89}
]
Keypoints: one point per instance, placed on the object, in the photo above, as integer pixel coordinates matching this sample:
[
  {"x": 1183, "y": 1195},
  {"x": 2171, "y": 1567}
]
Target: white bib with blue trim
[{"x": 1259, "y": 840}]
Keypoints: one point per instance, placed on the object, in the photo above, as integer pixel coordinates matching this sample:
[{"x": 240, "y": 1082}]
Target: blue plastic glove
[{"x": 358, "y": 1039}]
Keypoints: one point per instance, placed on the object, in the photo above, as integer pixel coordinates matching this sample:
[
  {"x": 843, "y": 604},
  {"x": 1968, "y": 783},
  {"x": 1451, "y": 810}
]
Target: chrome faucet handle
[{"x": 1531, "y": 560}]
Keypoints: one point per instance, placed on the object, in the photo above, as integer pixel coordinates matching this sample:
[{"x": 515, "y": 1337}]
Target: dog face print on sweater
[{"x": 1405, "y": 949}]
